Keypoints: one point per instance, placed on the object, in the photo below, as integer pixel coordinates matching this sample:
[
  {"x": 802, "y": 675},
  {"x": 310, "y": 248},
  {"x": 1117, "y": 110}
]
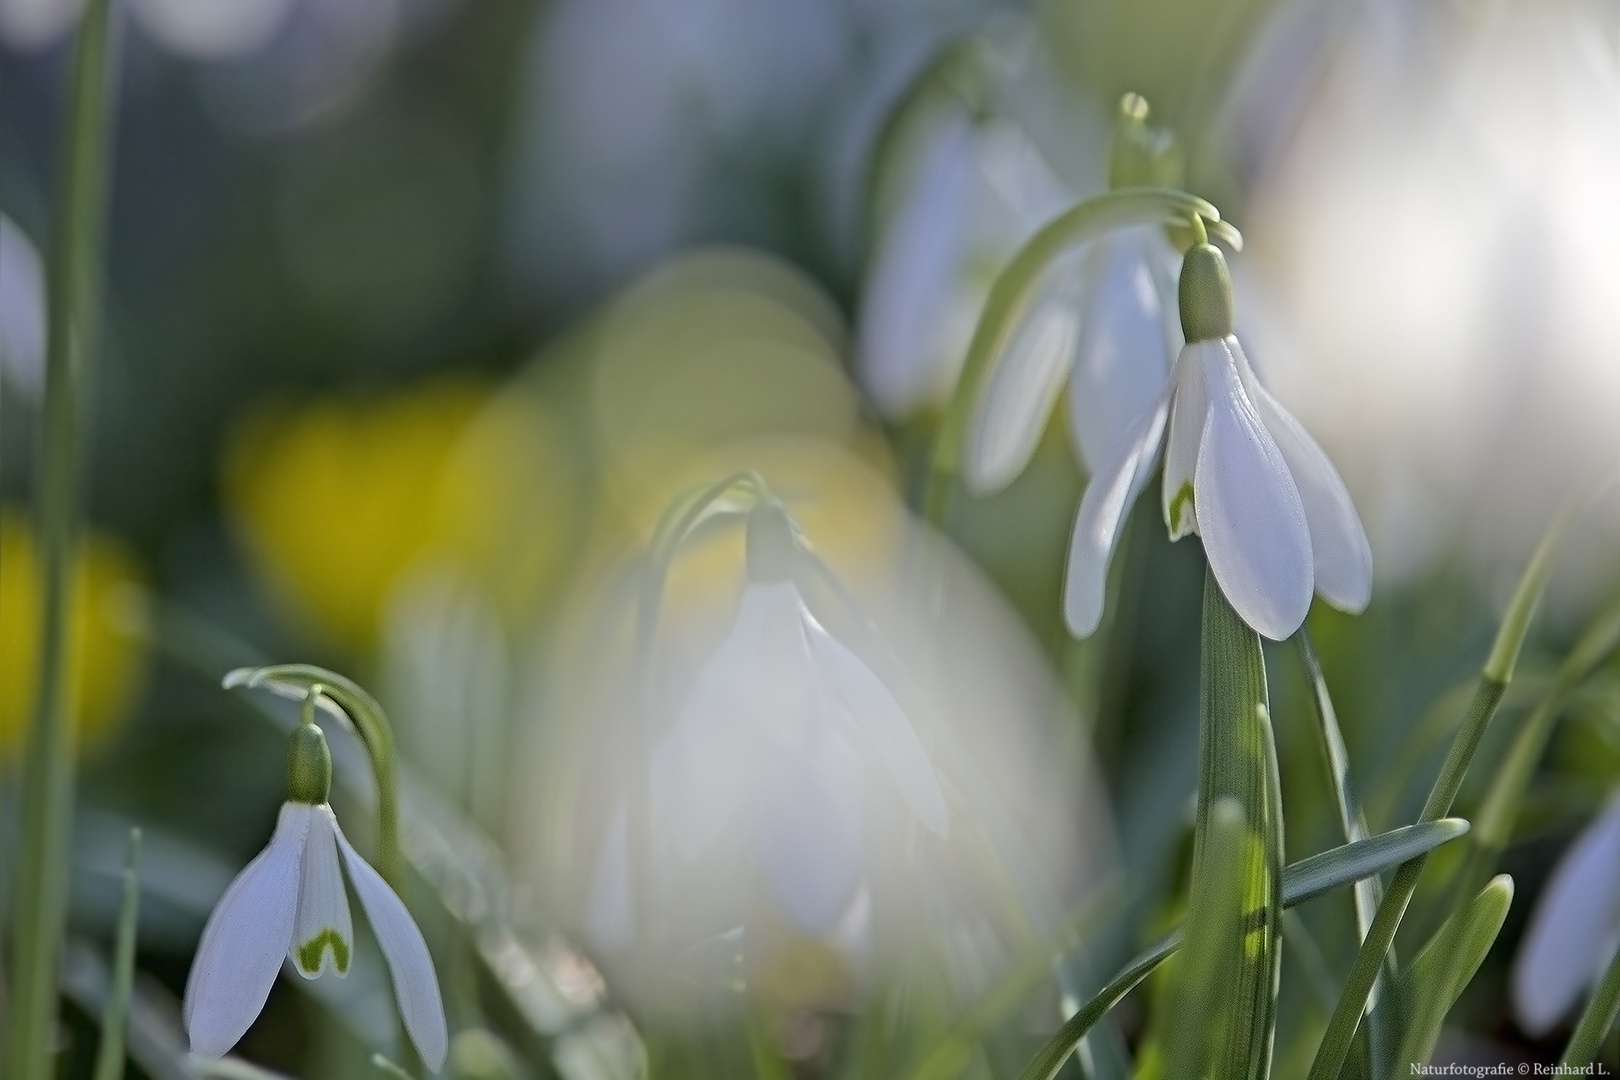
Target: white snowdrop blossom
[
  {"x": 1239, "y": 471},
  {"x": 975, "y": 192},
  {"x": 289, "y": 902},
  {"x": 1574, "y": 929},
  {"x": 1103, "y": 320},
  {"x": 783, "y": 742}
]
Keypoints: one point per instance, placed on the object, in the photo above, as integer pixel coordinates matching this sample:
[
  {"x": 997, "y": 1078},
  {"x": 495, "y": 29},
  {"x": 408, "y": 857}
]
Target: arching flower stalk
[{"x": 289, "y": 903}]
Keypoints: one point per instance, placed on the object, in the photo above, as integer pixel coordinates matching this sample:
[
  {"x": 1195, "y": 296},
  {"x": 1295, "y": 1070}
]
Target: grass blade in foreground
[
  {"x": 1493, "y": 682},
  {"x": 1598, "y": 1018},
  {"x": 1304, "y": 880},
  {"x": 115, "y": 1018},
  {"x": 1445, "y": 966},
  {"x": 74, "y": 298}
]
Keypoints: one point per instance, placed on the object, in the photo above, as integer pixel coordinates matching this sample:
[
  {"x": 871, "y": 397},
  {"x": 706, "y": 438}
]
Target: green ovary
[{"x": 309, "y": 953}]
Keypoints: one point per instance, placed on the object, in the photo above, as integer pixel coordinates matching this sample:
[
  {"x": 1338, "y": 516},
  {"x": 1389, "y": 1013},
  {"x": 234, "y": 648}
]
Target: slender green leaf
[
  {"x": 1445, "y": 966},
  {"x": 1313, "y": 876},
  {"x": 1353, "y": 826},
  {"x": 115, "y": 1017},
  {"x": 1493, "y": 682},
  {"x": 1597, "y": 1018}
]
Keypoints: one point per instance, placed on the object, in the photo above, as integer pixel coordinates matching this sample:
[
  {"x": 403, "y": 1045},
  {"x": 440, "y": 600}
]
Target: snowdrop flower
[
  {"x": 784, "y": 737},
  {"x": 974, "y": 194},
  {"x": 1275, "y": 518},
  {"x": 1574, "y": 930},
  {"x": 290, "y": 902},
  {"x": 22, "y": 311}
]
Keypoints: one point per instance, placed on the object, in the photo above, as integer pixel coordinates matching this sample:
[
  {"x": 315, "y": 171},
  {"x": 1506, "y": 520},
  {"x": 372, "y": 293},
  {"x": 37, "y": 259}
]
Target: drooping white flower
[
  {"x": 22, "y": 311},
  {"x": 974, "y": 194},
  {"x": 289, "y": 903},
  {"x": 1103, "y": 320},
  {"x": 782, "y": 743},
  {"x": 1275, "y": 518},
  {"x": 1574, "y": 929}
]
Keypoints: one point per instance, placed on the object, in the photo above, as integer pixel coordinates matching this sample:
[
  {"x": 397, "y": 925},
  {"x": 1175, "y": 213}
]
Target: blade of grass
[
  {"x": 1493, "y": 682},
  {"x": 1445, "y": 966},
  {"x": 115, "y": 1018},
  {"x": 1353, "y": 825},
  {"x": 74, "y": 299},
  {"x": 1597, "y": 1019}
]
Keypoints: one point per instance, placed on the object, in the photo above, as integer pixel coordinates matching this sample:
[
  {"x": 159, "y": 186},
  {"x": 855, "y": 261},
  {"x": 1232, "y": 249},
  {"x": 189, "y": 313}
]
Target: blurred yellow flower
[
  {"x": 106, "y": 662},
  {"x": 341, "y": 501}
]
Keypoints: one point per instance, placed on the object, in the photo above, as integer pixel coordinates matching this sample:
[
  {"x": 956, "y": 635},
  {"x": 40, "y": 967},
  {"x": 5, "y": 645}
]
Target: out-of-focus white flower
[
  {"x": 1104, "y": 320},
  {"x": 22, "y": 310},
  {"x": 1276, "y": 520},
  {"x": 289, "y": 903},
  {"x": 207, "y": 31},
  {"x": 974, "y": 193},
  {"x": 1471, "y": 150},
  {"x": 1574, "y": 930},
  {"x": 780, "y": 736}
]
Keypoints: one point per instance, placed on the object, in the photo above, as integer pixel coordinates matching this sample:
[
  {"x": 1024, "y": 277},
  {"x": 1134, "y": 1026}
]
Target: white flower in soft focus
[
  {"x": 1105, "y": 320},
  {"x": 289, "y": 903},
  {"x": 1276, "y": 520},
  {"x": 22, "y": 310},
  {"x": 783, "y": 734},
  {"x": 1459, "y": 360},
  {"x": 1574, "y": 929},
  {"x": 973, "y": 195}
]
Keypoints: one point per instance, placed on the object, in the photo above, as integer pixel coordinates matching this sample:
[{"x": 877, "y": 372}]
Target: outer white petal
[
  {"x": 1249, "y": 511},
  {"x": 245, "y": 940},
  {"x": 1123, "y": 359},
  {"x": 810, "y": 830},
  {"x": 1103, "y": 510},
  {"x": 1189, "y": 408},
  {"x": 1572, "y": 931},
  {"x": 323, "y": 936},
  {"x": 705, "y": 767},
  {"x": 880, "y": 723},
  {"x": 1016, "y": 403},
  {"x": 610, "y": 917},
  {"x": 416, "y": 986},
  {"x": 902, "y": 353},
  {"x": 1339, "y": 549},
  {"x": 22, "y": 308}
]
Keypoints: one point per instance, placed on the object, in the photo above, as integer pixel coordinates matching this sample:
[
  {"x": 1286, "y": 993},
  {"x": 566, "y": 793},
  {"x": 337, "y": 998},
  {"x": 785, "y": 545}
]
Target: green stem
[
  {"x": 1342, "y": 1025},
  {"x": 1597, "y": 1019},
  {"x": 1353, "y": 824},
  {"x": 73, "y": 321},
  {"x": 1116, "y": 209},
  {"x": 1493, "y": 682},
  {"x": 115, "y": 1018},
  {"x": 370, "y": 722}
]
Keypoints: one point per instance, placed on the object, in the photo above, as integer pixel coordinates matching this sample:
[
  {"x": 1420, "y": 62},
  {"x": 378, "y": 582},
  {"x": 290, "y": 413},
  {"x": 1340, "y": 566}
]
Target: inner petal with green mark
[
  {"x": 1180, "y": 504},
  {"x": 309, "y": 953}
]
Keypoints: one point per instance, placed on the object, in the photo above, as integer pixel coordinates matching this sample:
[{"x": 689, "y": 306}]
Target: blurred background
[{"x": 420, "y": 312}]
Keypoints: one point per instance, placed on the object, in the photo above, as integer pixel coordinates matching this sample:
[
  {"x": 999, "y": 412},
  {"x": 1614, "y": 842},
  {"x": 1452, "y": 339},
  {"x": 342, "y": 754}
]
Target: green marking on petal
[
  {"x": 1182, "y": 499},
  {"x": 309, "y": 953}
]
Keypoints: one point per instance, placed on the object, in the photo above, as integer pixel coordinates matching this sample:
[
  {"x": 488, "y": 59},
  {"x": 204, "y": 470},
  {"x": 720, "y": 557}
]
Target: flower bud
[
  {"x": 770, "y": 544},
  {"x": 309, "y": 766},
  {"x": 1205, "y": 295}
]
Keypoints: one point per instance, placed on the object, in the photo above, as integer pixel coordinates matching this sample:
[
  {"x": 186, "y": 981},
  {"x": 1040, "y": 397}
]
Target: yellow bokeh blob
[
  {"x": 106, "y": 659},
  {"x": 341, "y": 501}
]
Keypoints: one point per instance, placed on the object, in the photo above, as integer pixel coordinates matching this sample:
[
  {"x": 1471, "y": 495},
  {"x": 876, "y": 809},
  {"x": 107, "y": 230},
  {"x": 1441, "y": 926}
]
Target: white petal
[
  {"x": 1103, "y": 510},
  {"x": 880, "y": 724},
  {"x": 1339, "y": 551},
  {"x": 1122, "y": 362},
  {"x": 810, "y": 832},
  {"x": 245, "y": 939},
  {"x": 705, "y": 766},
  {"x": 1016, "y": 402},
  {"x": 903, "y": 357},
  {"x": 1249, "y": 511},
  {"x": 1572, "y": 930},
  {"x": 610, "y": 916},
  {"x": 323, "y": 936},
  {"x": 22, "y": 310},
  {"x": 415, "y": 985},
  {"x": 1189, "y": 408}
]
